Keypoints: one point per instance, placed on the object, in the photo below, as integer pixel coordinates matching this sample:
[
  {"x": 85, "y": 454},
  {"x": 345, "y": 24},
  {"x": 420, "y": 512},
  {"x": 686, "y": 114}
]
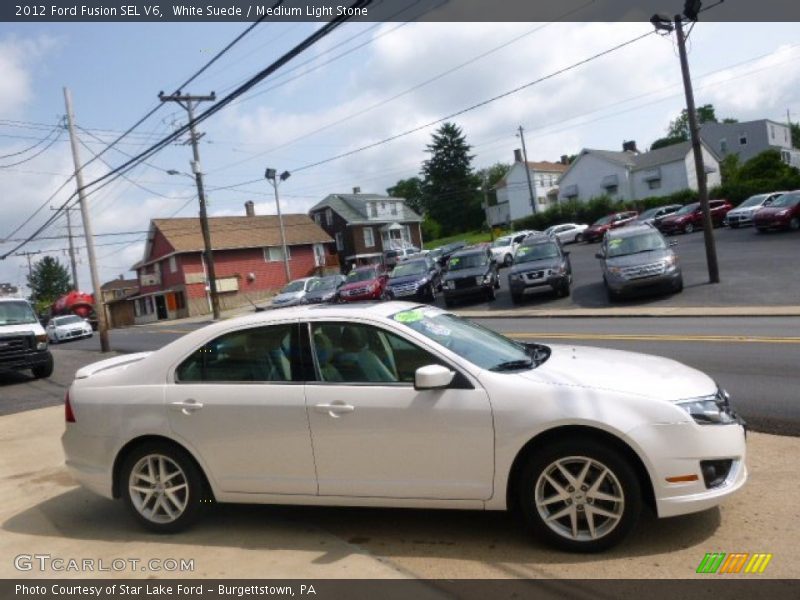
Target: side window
[
  {"x": 355, "y": 353},
  {"x": 262, "y": 354}
]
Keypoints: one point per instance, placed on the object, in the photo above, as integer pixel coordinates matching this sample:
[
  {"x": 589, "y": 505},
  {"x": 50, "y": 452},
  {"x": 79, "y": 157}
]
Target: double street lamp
[{"x": 272, "y": 176}]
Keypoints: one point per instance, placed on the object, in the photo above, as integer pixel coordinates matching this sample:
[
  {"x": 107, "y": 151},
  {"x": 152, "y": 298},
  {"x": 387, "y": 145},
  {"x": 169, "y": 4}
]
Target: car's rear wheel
[
  {"x": 163, "y": 487},
  {"x": 579, "y": 496},
  {"x": 44, "y": 370},
  {"x": 507, "y": 260},
  {"x": 579, "y": 238},
  {"x": 688, "y": 228}
]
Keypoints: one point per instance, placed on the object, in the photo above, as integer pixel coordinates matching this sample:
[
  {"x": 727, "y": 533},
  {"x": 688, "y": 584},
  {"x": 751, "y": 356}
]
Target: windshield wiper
[{"x": 513, "y": 365}]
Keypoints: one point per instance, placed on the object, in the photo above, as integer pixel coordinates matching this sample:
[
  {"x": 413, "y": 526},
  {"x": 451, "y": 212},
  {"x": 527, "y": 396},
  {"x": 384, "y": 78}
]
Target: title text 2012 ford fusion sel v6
[{"x": 395, "y": 404}]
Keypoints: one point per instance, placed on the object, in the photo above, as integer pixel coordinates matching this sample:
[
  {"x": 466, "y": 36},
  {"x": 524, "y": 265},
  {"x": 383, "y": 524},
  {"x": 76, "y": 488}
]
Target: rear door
[{"x": 238, "y": 402}]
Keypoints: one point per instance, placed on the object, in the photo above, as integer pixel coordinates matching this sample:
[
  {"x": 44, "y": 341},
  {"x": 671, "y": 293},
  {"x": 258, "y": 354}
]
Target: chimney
[
  {"x": 564, "y": 159},
  {"x": 629, "y": 146},
  {"x": 250, "y": 208},
  {"x": 517, "y": 155},
  {"x": 121, "y": 277},
  {"x": 356, "y": 190}
]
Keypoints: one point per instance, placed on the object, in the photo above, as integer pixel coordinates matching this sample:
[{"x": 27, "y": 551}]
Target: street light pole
[
  {"x": 521, "y": 135},
  {"x": 270, "y": 175},
  {"x": 697, "y": 150}
]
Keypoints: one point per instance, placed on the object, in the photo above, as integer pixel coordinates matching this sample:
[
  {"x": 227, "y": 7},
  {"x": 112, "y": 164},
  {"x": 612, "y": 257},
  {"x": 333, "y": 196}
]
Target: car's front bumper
[
  {"x": 738, "y": 220},
  {"x": 524, "y": 285},
  {"x": 464, "y": 292},
  {"x": 674, "y": 450},
  {"x": 773, "y": 223},
  {"x": 25, "y": 360},
  {"x": 666, "y": 280}
]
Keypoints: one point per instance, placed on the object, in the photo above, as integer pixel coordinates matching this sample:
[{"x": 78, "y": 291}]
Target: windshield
[
  {"x": 634, "y": 244},
  {"x": 467, "y": 261},
  {"x": 326, "y": 283},
  {"x": 753, "y": 201},
  {"x": 294, "y": 286},
  {"x": 14, "y": 313},
  {"x": 480, "y": 346},
  {"x": 500, "y": 242},
  {"x": 604, "y": 220},
  {"x": 785, "y": 200},
  {"x": 536, "y": 252},
  {"x": 71, "y": 320},
  {"x": 688, "y": 209},
  {"x": 415, "y": 267},
  {"x": 365, "y": 275}
]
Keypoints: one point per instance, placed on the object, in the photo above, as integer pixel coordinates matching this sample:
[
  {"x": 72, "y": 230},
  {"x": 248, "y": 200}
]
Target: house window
[
  {"x": 173, "y": 264},
  {"x": 339, "y": 241},
  {"x": 373, "y": 209},
  {"x": 406, "y": 234},
  {"x": 318, "y": 218},
  {"x": 723, "y": 146},
  {"x": 275, "y": 253},
  {"x": 772, "y": 131},
  {"x": 329, "y": 217},
  {"x": 612, "y": 189},
  {"x": 743, "y": 139},
  {"x": 654, "y": 184},
  {"x": 369, "y": 237},
  {"x": 394, "y": 209},
  {"x": 180, "y": 301}
]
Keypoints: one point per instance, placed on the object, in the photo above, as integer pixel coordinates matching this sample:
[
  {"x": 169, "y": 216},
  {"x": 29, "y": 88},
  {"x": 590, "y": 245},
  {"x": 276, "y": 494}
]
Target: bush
[{"x": 431, "y": 230}]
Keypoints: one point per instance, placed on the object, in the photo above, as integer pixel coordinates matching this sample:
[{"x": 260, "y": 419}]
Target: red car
[
  {"x": 598, "y": 229},
  {"x": 783, "y": 213},
  {"x": 690, "y": 217},
  {"x": 364, "y": 283}
]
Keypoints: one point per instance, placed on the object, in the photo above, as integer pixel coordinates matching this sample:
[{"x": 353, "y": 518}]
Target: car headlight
[
  {"x": 41, "y": 342},
  {"x": 449, "y": 285},
  {"x": 487, "y": 278},
  {"x": 670, "y": 261},
  {"x": 783, "y": 213},
  {"x": 615, "y": 270},
  {"x": 711, "y": 410},
  {"x": 422, "y": 282}
]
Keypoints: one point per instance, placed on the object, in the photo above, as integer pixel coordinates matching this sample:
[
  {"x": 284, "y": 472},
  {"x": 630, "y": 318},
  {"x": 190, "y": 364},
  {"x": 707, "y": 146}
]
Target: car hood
[
  {"x": 622, "y": 372},
  {"x": 674, "y": 218},
  {"x": 358, "y": 284},
  {"x": 744, "y": 211},
  {"x": 536, "y": 265},
  {"x": 21, "y": 329},
  {"x": 406, "y": 279},
  {"x": 287, "y": 297},
  {"x": 629, "y": 260},
  {"x": 462, "y": 273},
  {"x": 500, "y": 249}
]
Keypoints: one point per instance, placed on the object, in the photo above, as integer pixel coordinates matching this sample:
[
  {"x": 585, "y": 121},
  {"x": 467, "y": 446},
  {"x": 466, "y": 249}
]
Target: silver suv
[{"x": 638, "y": 258}]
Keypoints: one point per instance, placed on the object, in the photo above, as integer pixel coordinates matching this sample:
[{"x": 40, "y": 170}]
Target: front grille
[
  {"x": 535, "y": 275},
  {"x": 642, "y": 271},
  {"x": 358, "y": 291},
  {"x": 407, "y": 289},
  {"x": 13, "y": 346},
  {"x": 464, "y": 282}
]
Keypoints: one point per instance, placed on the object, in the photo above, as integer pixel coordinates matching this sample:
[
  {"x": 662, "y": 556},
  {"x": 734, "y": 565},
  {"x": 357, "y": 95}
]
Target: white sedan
[
  {"x": 402, "y": 405},
  {"x": 567, "y": 232},
  {"x": 69, "y": 327}
]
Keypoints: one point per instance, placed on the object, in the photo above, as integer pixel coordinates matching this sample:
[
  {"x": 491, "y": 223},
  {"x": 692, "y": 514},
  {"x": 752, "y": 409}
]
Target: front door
[
  {"x": 238, "y": 402},
  {"x": 161, "y": 308},
  {"x": 374, "y": 435}
]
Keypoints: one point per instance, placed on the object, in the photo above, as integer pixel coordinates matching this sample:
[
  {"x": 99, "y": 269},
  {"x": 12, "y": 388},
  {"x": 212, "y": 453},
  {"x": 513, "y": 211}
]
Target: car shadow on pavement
[{"x": 490, "y": 537}]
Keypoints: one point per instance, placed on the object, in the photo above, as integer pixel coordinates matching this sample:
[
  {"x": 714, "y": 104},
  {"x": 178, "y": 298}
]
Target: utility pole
[
  {"x": 188, "y": 102},
  {"x": 521, "y": 135},
  {"x": 697, "y": 150},
  {"x": 99, "y": 307},
  {"x": 28, "y": 256},
  {"x": 272, "y": 176},
  {"x": 486, "y": 204},
  {"x": 71, "y": 248}
]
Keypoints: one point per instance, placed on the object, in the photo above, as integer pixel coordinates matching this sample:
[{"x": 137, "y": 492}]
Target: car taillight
[{"x": 69, "y": 416}]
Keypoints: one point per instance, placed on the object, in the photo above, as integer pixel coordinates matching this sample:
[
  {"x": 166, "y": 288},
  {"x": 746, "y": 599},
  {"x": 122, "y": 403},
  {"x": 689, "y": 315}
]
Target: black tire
[
  {"x": 497, "y": 283},
  {"x": 385, "y": 296},
  {"x": 794, "y": 224},
  {"x": 508, "y": 260},
  {"x": 612, "y": 295},
  {"x": 194, "y": 495},
  {"x": 761, "y": 229},
  {"x": 431, "y": 293},
  {"x": 45, "y": 370},
  {"x": 688, "y": 228},
  {"x": 620, "y": 482},
  {"x": 448, "y": 302},
  {"x": 516, "y": 298},
  {"x": 579, "y": 238},
  {"x": 564, "y": 290},
  {"x": 678, "y": 286},
  {"x": 490, "y": 293}
]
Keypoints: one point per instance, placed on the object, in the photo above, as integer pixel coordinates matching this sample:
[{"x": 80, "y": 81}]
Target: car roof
[
  {"x": 631, "y": 230},
  {"x": 470, "y": 251}
]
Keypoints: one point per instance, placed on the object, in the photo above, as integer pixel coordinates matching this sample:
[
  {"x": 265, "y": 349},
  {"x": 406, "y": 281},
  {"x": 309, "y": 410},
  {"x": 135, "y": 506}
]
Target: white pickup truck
[{"x": 23, "y": 341}]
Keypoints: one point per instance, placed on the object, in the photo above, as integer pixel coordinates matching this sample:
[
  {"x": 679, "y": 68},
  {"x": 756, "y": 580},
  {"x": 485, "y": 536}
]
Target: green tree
[
  {"x": 795, "y": 128},
  {"x": 48, "y": 280},
  {"x": 678, "y": 129},
  {"x": 411, "y": 190},
  {"x": 492, "y": 176},
  {"x": 451, "y": 191}
]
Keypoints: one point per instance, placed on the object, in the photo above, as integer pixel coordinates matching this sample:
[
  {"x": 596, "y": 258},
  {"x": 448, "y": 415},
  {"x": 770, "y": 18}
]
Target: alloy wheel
[
  {"x": 158, "y": 488},
  {"x": 579, "y": 498}
]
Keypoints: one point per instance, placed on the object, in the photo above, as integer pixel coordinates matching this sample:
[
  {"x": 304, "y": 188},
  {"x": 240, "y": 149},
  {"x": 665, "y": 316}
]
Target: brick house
[
  {"x": 365, "y": 225},
  {"x": 248, "y": 259}
]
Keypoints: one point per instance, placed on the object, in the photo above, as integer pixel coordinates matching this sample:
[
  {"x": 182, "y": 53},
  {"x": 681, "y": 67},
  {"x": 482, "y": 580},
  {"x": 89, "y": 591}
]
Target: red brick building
[{"x": 248, "y": 259}]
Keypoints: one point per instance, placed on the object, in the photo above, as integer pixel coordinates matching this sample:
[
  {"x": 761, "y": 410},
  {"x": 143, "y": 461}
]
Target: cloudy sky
[{"x": 362, "y": 84}]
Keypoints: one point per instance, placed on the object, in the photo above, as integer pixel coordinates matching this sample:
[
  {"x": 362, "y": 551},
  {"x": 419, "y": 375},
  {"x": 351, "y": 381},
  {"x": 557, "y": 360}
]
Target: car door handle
[
  {"x": 334, "y": 410},
  {"x": 187, "y": 407}
]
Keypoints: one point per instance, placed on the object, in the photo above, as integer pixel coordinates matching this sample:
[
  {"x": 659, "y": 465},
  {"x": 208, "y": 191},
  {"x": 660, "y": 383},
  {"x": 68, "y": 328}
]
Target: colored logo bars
[{"x": 736, "y": 562}]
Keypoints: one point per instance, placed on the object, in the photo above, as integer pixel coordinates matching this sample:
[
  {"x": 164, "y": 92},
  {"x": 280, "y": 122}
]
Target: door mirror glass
[{"x": 432, "y": 377}]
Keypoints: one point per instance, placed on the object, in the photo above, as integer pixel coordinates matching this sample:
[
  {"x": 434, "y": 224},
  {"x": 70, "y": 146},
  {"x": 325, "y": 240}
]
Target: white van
[{"x": 23, "y": 341}]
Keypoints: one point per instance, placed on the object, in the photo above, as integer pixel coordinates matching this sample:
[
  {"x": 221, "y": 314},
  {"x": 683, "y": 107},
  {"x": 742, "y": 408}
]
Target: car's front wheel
[
  {"x": 163, "y": 487},
  {"x": 45, "y": 369},
  {"x": 688, "y": 228},
  {"x": 508, "y": 260},
  {"x": 579, "y": 496},
  {"x": 794, "y": 224},
  {"x": 579, "y": 238}
]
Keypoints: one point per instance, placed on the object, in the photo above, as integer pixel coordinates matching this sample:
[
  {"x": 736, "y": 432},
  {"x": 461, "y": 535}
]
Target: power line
[
  {"x": 29, "y": 148},
  {"x": 39, "y": 153}
]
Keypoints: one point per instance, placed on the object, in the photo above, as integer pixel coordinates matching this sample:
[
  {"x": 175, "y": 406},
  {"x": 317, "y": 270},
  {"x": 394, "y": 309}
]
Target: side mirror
[
  {"x": 432, "y": 377},
  {"x": 598, "y": 255}
]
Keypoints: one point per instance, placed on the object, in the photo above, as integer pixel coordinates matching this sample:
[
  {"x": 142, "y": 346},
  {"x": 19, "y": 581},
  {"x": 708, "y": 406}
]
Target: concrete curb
[{"x": 672, "y": 311}]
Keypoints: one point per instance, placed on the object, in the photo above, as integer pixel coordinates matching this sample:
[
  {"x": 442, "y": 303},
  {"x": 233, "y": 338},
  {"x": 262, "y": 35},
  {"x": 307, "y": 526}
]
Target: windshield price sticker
[{"x": 409, "y": 316}]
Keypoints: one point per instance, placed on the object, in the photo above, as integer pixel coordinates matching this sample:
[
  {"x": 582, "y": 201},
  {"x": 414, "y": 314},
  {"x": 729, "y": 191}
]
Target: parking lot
[{"x": 755, "y": 270}]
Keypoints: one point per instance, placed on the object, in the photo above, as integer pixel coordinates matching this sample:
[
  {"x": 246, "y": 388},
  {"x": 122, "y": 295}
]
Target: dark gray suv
[
  {"x": 540, "y": 263},
  {"x": 638, "y": 259}
]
